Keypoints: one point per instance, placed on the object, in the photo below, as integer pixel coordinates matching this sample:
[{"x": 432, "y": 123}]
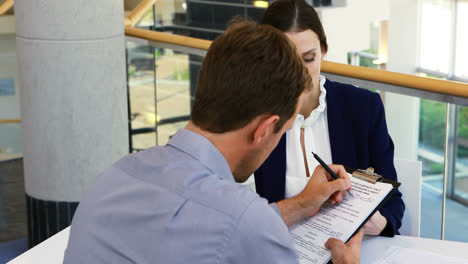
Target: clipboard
[
  {"x": 370, "y": 176},
  {"x": 341, "y": 221}
]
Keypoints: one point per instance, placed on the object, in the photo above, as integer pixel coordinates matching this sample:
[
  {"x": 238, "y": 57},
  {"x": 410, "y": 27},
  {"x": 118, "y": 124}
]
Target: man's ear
[{"x": 265, "y": 126}]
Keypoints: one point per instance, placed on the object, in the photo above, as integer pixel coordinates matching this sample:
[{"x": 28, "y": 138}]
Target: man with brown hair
[{"x": 180, "y": 203}]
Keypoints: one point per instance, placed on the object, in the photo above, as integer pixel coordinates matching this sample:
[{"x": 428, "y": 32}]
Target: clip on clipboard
[
  {"x": 367, "y": 175},
  {"x": 370, "y": 176}
]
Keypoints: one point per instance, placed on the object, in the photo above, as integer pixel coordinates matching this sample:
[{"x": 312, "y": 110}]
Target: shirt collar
[
  {"x": 200, "y": 148},
  {"x": 314, "y": 115}
]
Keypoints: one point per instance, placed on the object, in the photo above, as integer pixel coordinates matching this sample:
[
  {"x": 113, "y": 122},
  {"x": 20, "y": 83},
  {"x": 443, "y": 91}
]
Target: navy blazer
[{"x": 359, "y": 139}]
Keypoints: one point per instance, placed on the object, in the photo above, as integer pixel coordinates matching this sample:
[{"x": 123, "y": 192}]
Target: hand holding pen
[
  {"x": 320, "y": 188},
  {"x": 325, "y": 166}
]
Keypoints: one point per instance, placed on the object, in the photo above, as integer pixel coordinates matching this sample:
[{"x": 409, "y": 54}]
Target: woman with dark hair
[{"x": 343, "y": 124}]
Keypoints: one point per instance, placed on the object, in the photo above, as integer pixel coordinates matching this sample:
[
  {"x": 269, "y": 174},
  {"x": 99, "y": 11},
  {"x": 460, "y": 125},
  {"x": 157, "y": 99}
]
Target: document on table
[
  {"x": 407, "y": 255},
  {"x": 338, "y": 221}
]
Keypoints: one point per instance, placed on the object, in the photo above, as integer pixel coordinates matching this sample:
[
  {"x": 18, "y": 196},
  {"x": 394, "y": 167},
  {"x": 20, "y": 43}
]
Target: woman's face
[{"x": 308, "y": 45}]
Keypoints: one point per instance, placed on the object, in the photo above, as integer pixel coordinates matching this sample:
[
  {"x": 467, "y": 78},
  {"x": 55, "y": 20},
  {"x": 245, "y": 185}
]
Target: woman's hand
[{"x": 375, "y": 224}]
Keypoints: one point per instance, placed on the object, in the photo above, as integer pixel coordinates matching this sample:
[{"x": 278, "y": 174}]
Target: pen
[{"x": 328, "y": 169}]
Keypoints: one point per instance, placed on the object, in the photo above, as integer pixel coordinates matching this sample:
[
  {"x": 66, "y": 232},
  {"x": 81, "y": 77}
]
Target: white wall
[
  {"x": 348, "y": 28},
  {"x": 403, "y": 49}
]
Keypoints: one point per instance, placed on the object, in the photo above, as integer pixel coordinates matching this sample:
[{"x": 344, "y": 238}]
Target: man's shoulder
[
  {"x": 137, "y": 202},
  {"x": 228, "y": 198},
  {"x": 162, "y": 171}
]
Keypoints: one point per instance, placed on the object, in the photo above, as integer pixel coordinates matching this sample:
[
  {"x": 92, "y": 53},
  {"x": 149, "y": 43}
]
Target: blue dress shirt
[{"x": 177, "y": 203}]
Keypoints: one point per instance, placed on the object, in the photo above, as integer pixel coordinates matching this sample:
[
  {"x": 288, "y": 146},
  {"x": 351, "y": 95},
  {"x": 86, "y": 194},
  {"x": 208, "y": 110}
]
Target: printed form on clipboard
[{"x": 343, "y": 220}]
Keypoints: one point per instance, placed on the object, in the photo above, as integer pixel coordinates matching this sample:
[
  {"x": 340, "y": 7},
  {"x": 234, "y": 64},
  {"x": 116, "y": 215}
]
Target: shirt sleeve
[
  {"x": 260, "y": 237},
  {"x": 275, "y": 207}
]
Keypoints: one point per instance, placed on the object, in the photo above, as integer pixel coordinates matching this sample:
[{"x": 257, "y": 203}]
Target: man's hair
[{"x": 249, "y": 70}]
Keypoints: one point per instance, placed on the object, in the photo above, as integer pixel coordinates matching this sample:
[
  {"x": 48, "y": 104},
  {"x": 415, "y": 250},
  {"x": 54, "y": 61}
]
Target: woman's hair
[{"x": 295, "y": 16}]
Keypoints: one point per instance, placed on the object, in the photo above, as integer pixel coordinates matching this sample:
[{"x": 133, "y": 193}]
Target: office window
[
  {"x": 435, "y": 35},
  {"x": 443, "y": 51},
  {"x": 461, "y": 56}
]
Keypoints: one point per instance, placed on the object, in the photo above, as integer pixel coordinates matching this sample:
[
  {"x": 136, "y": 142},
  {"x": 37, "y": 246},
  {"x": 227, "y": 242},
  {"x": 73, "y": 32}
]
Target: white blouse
[{"x": 316, "y": 139}]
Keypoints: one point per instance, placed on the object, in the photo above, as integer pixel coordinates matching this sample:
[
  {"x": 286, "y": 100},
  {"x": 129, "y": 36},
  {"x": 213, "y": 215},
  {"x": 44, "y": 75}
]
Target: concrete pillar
[
  {"x": 71, "y": 66},
  {"x": 403, "y": 49}
]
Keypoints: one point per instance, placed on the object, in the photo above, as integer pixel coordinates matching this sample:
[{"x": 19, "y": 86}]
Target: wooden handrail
[
  {"x": 172, "y": 39},
  {"x": 451, "y": 88},
  {"x": 3, "y": 121},
  {"x": 138, "y": 12},
  {"x": 7, "y": 5},
  {"x": 420, "y": 83},
  {"x": 400, "y": 79}
]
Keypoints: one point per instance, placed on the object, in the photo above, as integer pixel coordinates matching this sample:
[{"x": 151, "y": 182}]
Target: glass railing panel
[
  {"x": 431, "y": 150},
  {"x": 161, "y": 87},
  {"x": 141, "y": 95},
  {"x": 10, "y": 138},
  {"x": 176, "y": 75},
  {"x": 431, "y": 146},
  {"x": 461, "y": 172},
  {"x": 457, "y": 214},
  {"x": 419, "y": 128}
]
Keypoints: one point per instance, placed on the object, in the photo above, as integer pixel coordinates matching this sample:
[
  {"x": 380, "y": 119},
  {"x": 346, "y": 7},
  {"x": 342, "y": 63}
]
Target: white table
[
  {"x": 52, "y": 250},
  {"x": 373, "y": 247}
]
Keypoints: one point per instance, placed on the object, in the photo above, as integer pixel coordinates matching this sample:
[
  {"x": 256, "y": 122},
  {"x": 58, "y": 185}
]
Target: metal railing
[
  {"x": 434, "y": 89},
  {"x": 451, "y": 139},
  {"x": 453, "y": 92}
]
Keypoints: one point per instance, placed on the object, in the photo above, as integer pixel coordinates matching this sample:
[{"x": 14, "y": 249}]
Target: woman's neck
[{"x": 311, "y": 101}]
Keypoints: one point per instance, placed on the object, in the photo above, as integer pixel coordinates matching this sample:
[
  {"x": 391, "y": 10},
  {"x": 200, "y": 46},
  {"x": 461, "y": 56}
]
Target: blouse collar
[{"x": 315, "y": 114}]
